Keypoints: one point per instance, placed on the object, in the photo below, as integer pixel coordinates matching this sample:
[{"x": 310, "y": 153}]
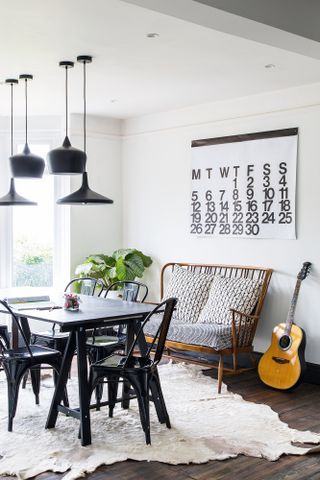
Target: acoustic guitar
[{"x": 283, "y": 363}]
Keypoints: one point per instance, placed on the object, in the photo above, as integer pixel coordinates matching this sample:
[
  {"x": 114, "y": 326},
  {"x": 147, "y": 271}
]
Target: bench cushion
[
  {"x": 225, "y": 293},
  {"x": 216, "y": 336},
  {"x": 191, "y": 289}
]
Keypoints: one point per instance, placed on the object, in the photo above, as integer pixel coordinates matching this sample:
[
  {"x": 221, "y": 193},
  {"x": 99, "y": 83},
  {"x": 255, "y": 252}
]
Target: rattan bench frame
[{"x": 242, "y": 324}]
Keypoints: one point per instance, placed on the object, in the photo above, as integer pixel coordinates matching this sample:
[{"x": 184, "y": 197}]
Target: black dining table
[{"x": 93, "y": 312}]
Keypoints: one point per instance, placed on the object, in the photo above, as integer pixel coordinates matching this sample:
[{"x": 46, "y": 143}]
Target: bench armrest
[
  {"x": 244, "y": 329},
  {"x": 242, "y": 314}
]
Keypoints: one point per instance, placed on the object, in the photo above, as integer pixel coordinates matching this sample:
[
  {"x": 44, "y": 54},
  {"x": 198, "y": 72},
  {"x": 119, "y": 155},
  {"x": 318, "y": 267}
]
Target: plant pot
[{"x": 115, "y": 294}]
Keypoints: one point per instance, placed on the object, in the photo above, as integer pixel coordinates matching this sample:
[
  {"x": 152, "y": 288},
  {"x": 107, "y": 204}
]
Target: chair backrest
[
  {"x": 16, "y": 320},
  {"x": 85, "y": 286},
  {"x": 167, "y": 307},
  {"x": 131, "y": 290}
]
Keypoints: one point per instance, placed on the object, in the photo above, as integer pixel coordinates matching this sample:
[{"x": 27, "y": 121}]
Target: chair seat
[
  {"x": 37, "y": 352},
  {"x": 116, "y": 362},
  {"x": 104, "y": 341}
]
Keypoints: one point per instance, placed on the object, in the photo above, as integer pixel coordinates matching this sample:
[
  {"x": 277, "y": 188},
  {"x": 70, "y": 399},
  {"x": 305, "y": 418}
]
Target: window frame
[{"x": 61, "y": 227}]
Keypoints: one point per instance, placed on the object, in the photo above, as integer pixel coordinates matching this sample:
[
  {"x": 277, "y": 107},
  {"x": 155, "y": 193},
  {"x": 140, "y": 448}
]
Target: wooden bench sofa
[{"x": 232, "y": 329}]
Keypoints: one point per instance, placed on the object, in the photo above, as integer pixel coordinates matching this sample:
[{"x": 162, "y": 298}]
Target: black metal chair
[
  {"x": 5, "y": 335},
  {"x": 54, "y": 338},
  {"x": 100, "y": 344},
  {"x": 139, "y": 371},
  {"x": 16, "y": 362}
]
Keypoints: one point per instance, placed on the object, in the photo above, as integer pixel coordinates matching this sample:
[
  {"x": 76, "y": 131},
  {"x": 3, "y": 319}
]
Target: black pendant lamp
[
  {"x": 84, "y": 195},
  {"x": 12, "y": 197},
  {"x": 66, "y": 160},
  {"x": 26, "y": 164}
]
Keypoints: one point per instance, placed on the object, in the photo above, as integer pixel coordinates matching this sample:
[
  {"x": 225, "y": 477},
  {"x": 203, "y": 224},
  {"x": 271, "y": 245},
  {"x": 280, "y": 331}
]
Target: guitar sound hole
[{"x": 285, "y": 342}]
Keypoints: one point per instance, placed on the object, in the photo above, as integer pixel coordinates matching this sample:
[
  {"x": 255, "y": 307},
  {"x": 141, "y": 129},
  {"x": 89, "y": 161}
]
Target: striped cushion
[
  {"x": 191, "y": 289},
  {"x": 216, "y": 336}
]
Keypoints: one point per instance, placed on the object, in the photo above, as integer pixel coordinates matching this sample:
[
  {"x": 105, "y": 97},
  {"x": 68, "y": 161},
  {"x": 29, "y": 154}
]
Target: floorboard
[{"x": 299, "y": 408}]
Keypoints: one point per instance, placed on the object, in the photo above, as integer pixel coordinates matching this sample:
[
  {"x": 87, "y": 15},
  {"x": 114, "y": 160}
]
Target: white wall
[
  {"x": 97, "y": 229},
  {"x": 156, "y": 189}
]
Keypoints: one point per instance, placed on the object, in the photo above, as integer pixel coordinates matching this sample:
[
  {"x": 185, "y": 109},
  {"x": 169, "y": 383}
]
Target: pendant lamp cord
[
  {"x": 66, "y": 100},
  {"x": 26, "y": 97},
  {"x": 11, "y": 121},
  {"x": 84, "y": 107}
]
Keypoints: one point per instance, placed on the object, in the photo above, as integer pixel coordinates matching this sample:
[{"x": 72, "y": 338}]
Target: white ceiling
[{"x": 187, "y": 64}]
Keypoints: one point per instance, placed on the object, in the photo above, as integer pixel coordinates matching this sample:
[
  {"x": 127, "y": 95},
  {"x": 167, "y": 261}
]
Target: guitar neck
[{"x": 292, "y": 308}]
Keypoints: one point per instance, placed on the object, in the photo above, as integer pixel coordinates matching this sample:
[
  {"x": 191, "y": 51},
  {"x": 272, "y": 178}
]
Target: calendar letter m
[{"x": 196, "y": 174}]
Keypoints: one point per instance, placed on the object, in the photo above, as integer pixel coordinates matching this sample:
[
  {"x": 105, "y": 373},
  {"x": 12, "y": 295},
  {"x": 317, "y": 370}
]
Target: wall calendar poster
[{"x": 244, "y": 185}]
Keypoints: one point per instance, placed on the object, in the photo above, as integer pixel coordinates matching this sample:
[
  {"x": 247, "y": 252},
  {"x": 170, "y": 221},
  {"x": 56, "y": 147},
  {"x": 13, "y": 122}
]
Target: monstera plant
[{"x": 123, "y": 264}]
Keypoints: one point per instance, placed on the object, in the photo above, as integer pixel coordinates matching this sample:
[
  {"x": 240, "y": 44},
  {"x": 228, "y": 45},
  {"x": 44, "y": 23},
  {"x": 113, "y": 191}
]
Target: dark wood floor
[{"x": 299, "y": 408}]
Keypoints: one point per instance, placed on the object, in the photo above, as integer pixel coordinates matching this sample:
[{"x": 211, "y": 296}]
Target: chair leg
[
  {"x": 98, "y": 394},
  {"x": 220, "y": 373},
  {"x": 25, "y": 379},
  {"x": 98, "y": 355},
  {"x": 159, "y": 403},
  {"x": 35, "y": 381},
  {"x": 143, "y": 402},
  {"x": 13, "y": 385},
  {"x": 141, "y": 388},
  {"x": 113, "y": 383},
  {"x": 13, "y": 392},
  {"x": 94, "y": 355},
  {"x": 93, "y": 382}
]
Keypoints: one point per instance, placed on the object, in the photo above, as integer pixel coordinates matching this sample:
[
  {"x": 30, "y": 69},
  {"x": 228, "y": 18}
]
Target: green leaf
[
  {"x": 134, "y": 263},
  {"x": 121, "y": 270},
  {"x": 122, "y": 253},
  {"x": 113, "y": 274},
  {"x": 100, "y": 259},
  {"x": 124, "y": 264},
  {"x": 146, "y": 260},
  {"x": 83, "y": 269}
]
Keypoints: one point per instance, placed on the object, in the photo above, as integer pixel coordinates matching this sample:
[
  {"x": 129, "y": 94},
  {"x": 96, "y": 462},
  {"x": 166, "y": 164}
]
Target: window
[
  {"x": 33, "y": 230},
  {"x": 35, "y": 240}
]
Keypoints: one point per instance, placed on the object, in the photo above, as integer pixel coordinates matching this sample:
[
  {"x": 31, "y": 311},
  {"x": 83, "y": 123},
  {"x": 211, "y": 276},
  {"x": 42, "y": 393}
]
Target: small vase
[
  {"x": 72, "y": 309},
  {"x": 71, "y": 302}
]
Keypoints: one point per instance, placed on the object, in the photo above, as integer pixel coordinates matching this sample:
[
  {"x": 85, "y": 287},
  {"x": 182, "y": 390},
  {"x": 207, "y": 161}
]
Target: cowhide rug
[{"x": 205, "y": 426}]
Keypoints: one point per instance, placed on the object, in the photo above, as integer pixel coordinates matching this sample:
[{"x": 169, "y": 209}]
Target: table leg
[
  {"x": 62, "y": 380},
  {"x": 126, "y": 386},
  {"x": 14, "y": 335},
  {"x": 84, "y": 393}
]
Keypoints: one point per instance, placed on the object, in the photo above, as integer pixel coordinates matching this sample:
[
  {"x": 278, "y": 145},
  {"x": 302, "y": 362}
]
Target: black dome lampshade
[
  {"x": 26, "y": 164},
  {"x": 84, "y": 195},
  {"x": 66, "y": 160},
  {"x": 12, "y": 197}
]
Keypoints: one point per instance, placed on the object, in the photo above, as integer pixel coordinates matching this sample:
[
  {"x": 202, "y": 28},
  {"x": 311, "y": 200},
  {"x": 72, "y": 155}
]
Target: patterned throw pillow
[
  {"x": 225, "y": 293},
  {"x": 191, "y": 290}
]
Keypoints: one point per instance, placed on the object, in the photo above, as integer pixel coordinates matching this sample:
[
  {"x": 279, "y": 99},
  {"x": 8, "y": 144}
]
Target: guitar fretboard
[{"x": 292, "y": 308}]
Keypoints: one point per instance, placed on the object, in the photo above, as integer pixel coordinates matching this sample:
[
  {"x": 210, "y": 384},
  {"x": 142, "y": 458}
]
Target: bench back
[{"x": 261, "y": 274}]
